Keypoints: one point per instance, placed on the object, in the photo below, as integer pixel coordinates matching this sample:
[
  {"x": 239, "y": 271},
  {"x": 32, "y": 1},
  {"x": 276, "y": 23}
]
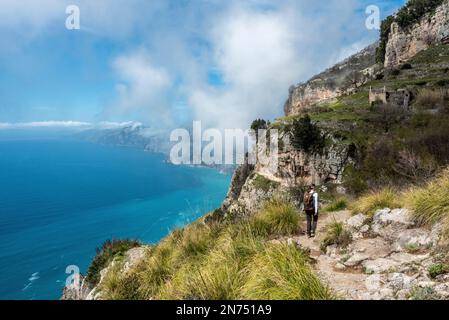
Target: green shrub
[
  {"x": 442, "y": 83},
  {"x": 264, "y": 184},
  {"x": 259, "y": 124},
  {"x": 306, "y": 136},
  {"x": 426, "y": 293},
  {"x": 430, "y": 99},
  {"x": 105, "y": 254},
  {"x": 395, "y": 72},
  {"x": 336, "y": 235},
  {"x": 406, "y": 66},
  {"x": 385, "y": 30},
  {"x": 438, "y": 269}
]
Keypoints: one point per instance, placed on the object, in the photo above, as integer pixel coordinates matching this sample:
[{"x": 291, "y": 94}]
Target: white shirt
[{"x": 315, "y": 201}]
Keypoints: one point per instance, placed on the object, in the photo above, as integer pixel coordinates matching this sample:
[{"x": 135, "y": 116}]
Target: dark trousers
[{"x": 312, "y": 221}]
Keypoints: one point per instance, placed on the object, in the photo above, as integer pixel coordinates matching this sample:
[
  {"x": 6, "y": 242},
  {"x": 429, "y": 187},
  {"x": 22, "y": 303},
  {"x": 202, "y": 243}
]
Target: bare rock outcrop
[
  {"x": 403, "y": 44},
  {"x": 343, "y": 78},
  {"x": 389, "y": 261}
]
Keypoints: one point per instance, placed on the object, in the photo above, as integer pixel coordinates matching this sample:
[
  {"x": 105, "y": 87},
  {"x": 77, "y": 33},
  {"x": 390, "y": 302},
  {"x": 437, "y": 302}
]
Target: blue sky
[{"x": 167, "y": 62}]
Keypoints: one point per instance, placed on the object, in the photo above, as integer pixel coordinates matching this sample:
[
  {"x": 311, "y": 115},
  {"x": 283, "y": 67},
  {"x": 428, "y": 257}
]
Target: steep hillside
[
  {"x": 343, "y": 78},
  {"x": 416, "y": 27},
  {"x": 377, "y": 147}
]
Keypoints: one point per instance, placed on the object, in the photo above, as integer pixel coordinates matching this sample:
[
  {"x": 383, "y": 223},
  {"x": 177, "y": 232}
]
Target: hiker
[{"x": 311, "y": 209}]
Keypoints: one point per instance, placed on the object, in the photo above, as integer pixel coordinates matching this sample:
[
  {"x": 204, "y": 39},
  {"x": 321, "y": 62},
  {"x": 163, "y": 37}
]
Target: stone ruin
[{"x": 400, "y": 98}]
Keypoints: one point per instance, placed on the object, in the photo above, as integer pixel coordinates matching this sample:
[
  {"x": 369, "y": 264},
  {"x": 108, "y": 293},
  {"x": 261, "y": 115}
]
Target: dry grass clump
[
  {"x": 223, "y": 261},
  {"x": 430, "y": 204},
  {"x": 373, "y": 201}
]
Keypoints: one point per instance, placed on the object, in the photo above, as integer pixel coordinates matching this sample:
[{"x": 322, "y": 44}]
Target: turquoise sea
[{"x": 60, "y": 199}]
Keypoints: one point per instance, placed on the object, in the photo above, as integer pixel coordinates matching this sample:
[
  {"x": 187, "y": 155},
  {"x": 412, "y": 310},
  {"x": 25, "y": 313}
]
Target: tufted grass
[
  {"x": 281, "y": 272},
  {"x": 430, "y": 204},
  {"x": 373, "y": 201},
  {"x": 278, "y": 217},
  {"x": 336, "y": 234},
  {"x": 224, "y": 261},
  {"x": 338, "y": 204}
]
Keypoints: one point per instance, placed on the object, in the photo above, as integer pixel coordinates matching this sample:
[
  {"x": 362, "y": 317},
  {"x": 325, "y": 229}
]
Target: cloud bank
[{"x": 222, "y": 62}]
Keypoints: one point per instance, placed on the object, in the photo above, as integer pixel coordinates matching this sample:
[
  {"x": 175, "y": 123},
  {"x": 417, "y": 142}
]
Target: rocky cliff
[
  {"x": 343, "y": 78},
  {"x": 405, "y": 42}
]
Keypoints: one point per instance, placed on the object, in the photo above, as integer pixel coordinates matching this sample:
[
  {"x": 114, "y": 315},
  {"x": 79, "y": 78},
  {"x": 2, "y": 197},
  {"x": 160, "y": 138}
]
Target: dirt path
[{"x": 345, "y": 283}]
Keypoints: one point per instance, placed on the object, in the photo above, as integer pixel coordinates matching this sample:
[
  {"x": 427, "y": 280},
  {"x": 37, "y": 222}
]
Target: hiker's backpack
[{"x": 308, "y": 201}]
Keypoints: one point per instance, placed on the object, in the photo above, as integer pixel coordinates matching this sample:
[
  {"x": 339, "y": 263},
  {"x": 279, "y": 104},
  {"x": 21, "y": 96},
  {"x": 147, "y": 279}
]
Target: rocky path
[{"x": 389, "y": 257}]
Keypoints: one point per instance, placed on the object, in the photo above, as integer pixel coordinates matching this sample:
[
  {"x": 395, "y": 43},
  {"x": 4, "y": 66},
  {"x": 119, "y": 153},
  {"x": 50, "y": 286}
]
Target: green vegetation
[
  {"x": 430, "y": 203},
  {"x": 370, "y": 203},
  {"x": 306, "y": 136},
  {"x": 337, "y": 205},
  {"x": 407, "y": 16},
  {"x": 432, "y": 99},
  {"x": 281, "y": 272},
  {"x": 265, "y": 184},
  {"x": 414, "y": 10},
  {"x": 426, "y": 293},
  {"x": 225, "y": 260},
  {"x": 385, "y": 30},
  {"x": 436, "y": 270},
  {"x": 336, "y": 235},
  {"x": 259, "y": 124},
  {"x": 412, "y": 247},
  {"x": 433, "y": 55},
  {"x": 277, "y": 218},
  {"x": 110, "y": 250}
]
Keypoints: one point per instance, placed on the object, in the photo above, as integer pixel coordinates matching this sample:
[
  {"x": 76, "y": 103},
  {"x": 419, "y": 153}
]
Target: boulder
[
  {"x": 400, "y": 281},
  {"x": 387, "y": 223},
  {"x": 373, "y": 283},
  {"x": 133, "y": 257},
  {"x": 356, "y": 222},
  {"x": 407, "y": 258},
  {"x": 356, "y": 259},
  {"x": 397, "y": 216},
  {"x": 380, "y": 265},
  {"x": 413, "y": 237}
]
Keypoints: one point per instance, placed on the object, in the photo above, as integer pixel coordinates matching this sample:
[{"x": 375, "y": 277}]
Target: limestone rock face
[
  {"x": 78, "y": 290},
  {"x": 388, "y": 223},
  {"x": 296, "y": 166},
  {"x": 356, "y": 222},
  {"x": 404, "y": 44},
  {"x": 341, "y": 79},
  {"x": 250, "y": 199}
]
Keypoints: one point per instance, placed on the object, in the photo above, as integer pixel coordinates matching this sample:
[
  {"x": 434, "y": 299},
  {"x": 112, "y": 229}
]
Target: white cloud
[
  {"x": 69, "y": 124},
  {"x": 142, "y": 90},
  {"x": 30, "y": 16},
  {"x": 43, "y": 124},
  {"x": 260, "y": 47},
  {"x": 261, "y": 52}
]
